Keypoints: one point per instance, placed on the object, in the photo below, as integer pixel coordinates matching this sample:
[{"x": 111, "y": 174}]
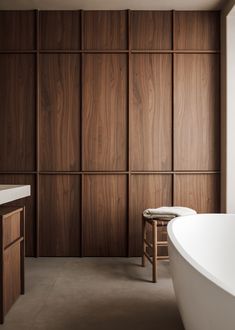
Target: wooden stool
[{"x": 154, "y": 223}]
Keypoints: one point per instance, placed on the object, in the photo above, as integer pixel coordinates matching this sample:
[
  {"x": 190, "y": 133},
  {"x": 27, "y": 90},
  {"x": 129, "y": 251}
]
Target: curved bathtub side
[{"x": 202, "y": 304}]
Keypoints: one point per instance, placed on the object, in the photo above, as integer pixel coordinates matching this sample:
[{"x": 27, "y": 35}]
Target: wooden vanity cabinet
[{"x": 12, "y": 221}]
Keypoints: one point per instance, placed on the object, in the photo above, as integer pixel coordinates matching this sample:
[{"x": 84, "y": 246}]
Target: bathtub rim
[{"x": 197, "y": 266}]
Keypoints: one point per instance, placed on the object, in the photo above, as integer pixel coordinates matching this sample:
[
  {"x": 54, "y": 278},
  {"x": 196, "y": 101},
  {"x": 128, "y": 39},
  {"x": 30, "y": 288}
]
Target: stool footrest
[
  {"x": 150, "y": 259},
  {"x": 162, "y": 243},
  {"x": 162, "y": 257}
]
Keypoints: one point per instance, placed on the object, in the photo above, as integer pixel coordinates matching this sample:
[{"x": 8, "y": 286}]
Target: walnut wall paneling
[
  {"x": 17, "y": 30},
  {"x": 104, "y": 215},
  {"x": 105, "y": 30},
  {"x": 60, "y": 30},
  {"x": 60, "y": 112},
  {"x": 30, "y": 208},
  {"x": 151, "y": 30},
  {"x": 151, "y": 112},
  {"x": 147, "y": 191},
  {"x": 196, "y": 112},
  {"x": 198, "y": 191},
  {"x": 17, "y": 134},
  {"x": 104, "y": 112},
  {"x": 108, "y": 102},
  {"x": 59, "y": 229},
  {"x": 197, "y": 30}
]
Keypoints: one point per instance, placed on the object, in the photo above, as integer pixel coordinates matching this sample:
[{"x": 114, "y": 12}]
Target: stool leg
[
  {"x": 154, "y": 233},
  {"x": 144, "y": 230}
]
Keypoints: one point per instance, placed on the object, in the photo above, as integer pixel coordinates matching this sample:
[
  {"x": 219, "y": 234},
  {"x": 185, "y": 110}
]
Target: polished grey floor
[{"x": 94, "y": 293}]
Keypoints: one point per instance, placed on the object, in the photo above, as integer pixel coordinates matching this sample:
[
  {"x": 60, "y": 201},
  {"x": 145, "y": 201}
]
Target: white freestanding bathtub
[{"x": 202, "y": 262}]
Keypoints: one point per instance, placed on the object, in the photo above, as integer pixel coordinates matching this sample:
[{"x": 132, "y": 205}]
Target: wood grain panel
[
  {"x": 198, "y": 191},
  {"x": 30, "y": 208},
  {"x": 105, "y": 122},
  {"x": 151, "y": 112},
  {"x": 104, "y": 112},
  {"x": 105, "y": 29},
  {"x": 60, "y": 30},
  {"x": 17, "y": 30},
  {"x": 197, "y": 112},
  {"x": 11, "y": 276},
  {"x": 151, "y": 30},
  {"x": 104, "y": 215},
  {"x": 11, "y": 229},
  {"x": 59, "y": 223},
  {"x": 147, "y": 191},
  {"x": 60, "y": 112},
  {"x": 197, "y": 30},
  {"x": 17, "y": 95}
]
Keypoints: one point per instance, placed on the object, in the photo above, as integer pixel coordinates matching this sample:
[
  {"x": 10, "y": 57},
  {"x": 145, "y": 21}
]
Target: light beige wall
[
  {"x": 227, "y": 116},
  {"x": 223, "y": 113},
  {"x": 111, "y": 4}
]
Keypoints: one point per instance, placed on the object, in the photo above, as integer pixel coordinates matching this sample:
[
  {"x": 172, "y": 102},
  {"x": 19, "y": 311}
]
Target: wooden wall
[{"x": 105, "y": 114}]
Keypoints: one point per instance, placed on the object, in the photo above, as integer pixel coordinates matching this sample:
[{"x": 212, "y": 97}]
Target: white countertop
[{"x": 10, "y": 193}]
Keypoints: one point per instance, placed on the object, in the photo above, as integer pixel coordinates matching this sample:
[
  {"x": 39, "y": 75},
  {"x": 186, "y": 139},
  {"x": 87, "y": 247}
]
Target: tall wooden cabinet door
[
  {"x": 151, "y": 112},
  {"x": 104, "y": 215},
  {"x": 197, "y": 30},
  {"x": 105, "y": 29},
  {"x": 196, "y": 112},
  {"x": 104, "y": 124},
  {"x": 59, "y": 112},
  {"x": 147, "y": 191},
  {"x": 17, "y": 95},
  {"x": 198, "y": 191},
  {"x": 17, "y": 30},
  {"x": 59, "y": 221},
  {"x": 30, "y": 208}
]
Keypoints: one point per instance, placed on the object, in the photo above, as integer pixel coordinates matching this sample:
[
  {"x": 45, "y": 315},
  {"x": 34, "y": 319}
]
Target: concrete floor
[{"x": 94, "y": 293}]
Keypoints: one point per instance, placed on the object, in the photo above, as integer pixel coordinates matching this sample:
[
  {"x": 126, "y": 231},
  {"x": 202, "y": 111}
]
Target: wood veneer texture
[
  {"x": 59, "y": 230},
  {"x": 151, "y": 112},
  {"x": 104, "y": 215},
  {"x": 197, "y": 30},
  {"x": 17, "y": 30},
  {"x": 11, "y": 276},
  {"x": 105, "y": 29},
  {"x": 126, "y": 105},
  {"x": 60, "y": 112},
  {"x": 17, "y": 115},
  {"x": 151, "y": 30},
  {"x": 198, "y": 191},
  {"x": 104, "y": 112},
  {"x": 60, "y": 30},
  {"x": 196, "y": 112}
]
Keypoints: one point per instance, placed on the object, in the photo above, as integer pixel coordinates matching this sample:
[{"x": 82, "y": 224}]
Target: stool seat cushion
[{"x": 168, "y": 212}]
